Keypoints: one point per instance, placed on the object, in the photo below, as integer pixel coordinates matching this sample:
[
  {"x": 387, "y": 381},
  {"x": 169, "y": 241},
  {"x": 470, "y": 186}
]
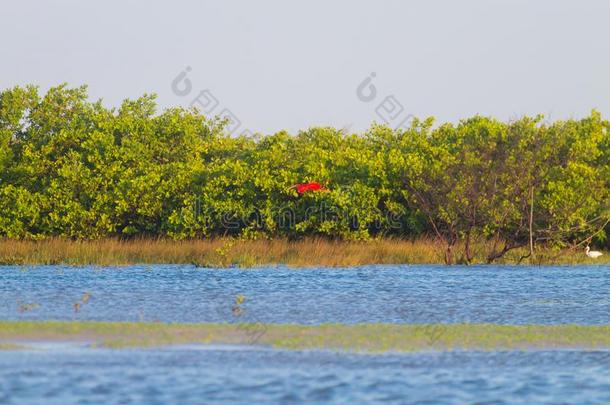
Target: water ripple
[
  {"x": 185, "y": 375},
  {"x": 391, "y": 294}
]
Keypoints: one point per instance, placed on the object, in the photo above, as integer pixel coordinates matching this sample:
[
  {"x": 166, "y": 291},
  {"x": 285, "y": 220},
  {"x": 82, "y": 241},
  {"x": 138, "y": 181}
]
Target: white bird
[{"x": 593, "y": 254}]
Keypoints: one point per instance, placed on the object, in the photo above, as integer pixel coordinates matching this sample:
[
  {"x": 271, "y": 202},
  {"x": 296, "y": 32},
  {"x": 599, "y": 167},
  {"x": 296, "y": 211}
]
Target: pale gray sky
[{"x": 291, "y": 65}]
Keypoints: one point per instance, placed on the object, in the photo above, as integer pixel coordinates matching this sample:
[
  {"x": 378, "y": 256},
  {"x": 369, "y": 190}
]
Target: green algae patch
[
  {"x": 12, "y": 346},
  {"x": 369, "y": 338}
]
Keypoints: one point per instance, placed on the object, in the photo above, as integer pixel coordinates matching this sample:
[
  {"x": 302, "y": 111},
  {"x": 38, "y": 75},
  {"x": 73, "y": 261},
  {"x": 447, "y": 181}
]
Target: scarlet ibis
[{"x": 311, "y": 186}]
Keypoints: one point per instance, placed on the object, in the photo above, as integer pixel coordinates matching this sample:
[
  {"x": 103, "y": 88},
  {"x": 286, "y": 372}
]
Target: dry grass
[{"x": 248, "y": 253}]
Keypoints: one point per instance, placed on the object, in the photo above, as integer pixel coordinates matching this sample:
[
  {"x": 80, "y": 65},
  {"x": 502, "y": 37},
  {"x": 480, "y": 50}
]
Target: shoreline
[
  {"x": 366, "y": 338},
  {"x": 229, "y": 252}
]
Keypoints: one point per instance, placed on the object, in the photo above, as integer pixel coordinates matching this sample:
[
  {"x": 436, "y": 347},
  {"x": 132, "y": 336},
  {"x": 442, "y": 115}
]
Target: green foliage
[{"x": 70, "y": 167}]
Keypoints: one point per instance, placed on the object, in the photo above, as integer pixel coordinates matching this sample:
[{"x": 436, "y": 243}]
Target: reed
[{"x": 228, "y": 252}]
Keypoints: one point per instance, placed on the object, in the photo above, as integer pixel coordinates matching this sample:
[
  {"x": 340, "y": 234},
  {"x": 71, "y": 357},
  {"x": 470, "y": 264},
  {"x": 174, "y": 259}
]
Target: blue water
[
  {"x": 396, "y": 294},
  {"x": 69, "y": 373},
  {"x": 185, "y": 375}
]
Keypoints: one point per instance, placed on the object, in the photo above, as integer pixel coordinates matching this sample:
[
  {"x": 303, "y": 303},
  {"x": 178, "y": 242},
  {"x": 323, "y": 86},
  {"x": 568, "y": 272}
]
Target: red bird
[{"x": 311, "y": 186}]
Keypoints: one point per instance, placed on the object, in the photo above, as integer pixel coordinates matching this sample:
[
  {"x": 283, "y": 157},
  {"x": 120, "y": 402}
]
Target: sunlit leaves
[{"x": 75, "y": 168}]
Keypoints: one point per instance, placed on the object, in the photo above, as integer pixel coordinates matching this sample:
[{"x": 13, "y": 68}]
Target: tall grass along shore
[{"x": 229, "y": 252}]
